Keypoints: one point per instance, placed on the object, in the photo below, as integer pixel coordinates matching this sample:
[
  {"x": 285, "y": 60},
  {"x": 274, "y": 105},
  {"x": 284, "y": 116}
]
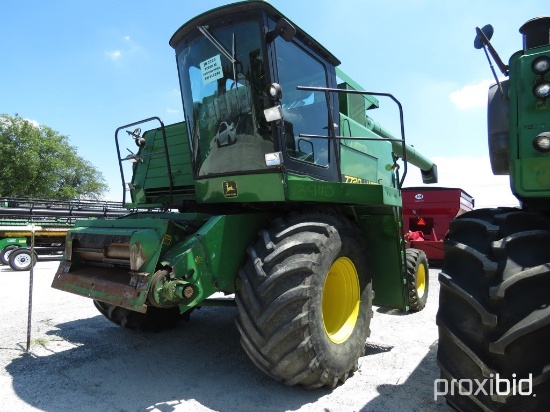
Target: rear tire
[
  {"x": 494, "y": 310},
  {"x": 418, "y": 279},
  {"x": 5, "y": 254},
  {"x": 305, "y": 301},
  {"x": 22, "y": 259},
  {"x": 154, "y": 320}
]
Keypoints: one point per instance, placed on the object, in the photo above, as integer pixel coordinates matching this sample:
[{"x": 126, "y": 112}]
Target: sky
[{"x": 85, "y": 68}]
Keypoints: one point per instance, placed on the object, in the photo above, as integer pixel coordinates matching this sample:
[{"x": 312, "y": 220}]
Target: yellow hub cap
[
  {"x": 341, "y": 299},
  {"x": 421, "y": 281}
]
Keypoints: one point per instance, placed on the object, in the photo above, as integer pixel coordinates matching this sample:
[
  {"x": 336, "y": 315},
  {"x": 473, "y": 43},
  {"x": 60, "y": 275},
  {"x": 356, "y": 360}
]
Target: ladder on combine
[{"x": 33, "y": 229}]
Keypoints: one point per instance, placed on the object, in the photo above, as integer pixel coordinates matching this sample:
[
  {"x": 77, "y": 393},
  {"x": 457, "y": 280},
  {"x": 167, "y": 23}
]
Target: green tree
[{"x": 40, "y": 162}]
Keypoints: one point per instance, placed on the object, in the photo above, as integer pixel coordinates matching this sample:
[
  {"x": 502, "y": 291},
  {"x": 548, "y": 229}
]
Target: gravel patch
[{"x": 81, "y": 361}]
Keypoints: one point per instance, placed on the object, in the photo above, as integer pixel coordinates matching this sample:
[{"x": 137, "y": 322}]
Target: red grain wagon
[{"x": 427, "y": 212}]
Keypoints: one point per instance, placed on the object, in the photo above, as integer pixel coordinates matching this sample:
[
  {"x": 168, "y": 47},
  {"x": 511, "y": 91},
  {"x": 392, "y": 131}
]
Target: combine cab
[{"x": 281, "y": 191}]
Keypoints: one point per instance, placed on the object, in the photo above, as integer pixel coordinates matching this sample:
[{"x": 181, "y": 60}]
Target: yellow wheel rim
[
  {"x": 341, "y": 299},
  {"x": 421, "y": 281}
]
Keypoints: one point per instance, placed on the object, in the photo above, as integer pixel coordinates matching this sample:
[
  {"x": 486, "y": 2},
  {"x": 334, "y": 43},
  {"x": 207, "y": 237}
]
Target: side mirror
[
  {"x": 140, "y": 141},
  {"x": 284, "y": 29},
  {"x": 482, "y": 40},
  {"x": 486, "y": 30}
]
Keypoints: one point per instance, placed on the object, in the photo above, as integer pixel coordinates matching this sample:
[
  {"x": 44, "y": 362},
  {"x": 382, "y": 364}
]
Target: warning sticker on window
[{"x": 211, "y": 69}]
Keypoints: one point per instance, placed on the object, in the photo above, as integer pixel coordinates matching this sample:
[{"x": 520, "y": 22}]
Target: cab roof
[{"x": 245, "y": 6}]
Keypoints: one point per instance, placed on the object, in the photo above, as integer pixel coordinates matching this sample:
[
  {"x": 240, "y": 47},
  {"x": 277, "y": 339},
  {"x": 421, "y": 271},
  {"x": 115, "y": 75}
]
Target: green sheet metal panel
[
  {"x": 261, "y": 187},
  {"x": 151, "y": 184},
  {"x": 210, "y": 258},
  {"x": 137, "y": 242},
  {"x": 225, "y": 240},
  {"x": 528, "y": 118},
  {"x": 15, "y": 241},
  {"x": 381, "y": 233},
  {"x": 350, "y": 193},
  {"x": 358, "y": 167}
]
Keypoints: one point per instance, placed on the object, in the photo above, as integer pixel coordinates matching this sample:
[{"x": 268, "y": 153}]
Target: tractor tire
[
  {"x": 494, "y": 312},
  {"x": 418, "y": 279},
  {"x": 154, "y": 320},
  {"x": 22, "y": 259},
  {"x": 5, "y": 254},
  {"x": 305, "y": 300}
]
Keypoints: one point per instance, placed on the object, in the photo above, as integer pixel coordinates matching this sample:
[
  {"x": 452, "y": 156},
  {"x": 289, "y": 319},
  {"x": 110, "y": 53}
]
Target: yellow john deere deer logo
[{"x": 230, "y": 188}]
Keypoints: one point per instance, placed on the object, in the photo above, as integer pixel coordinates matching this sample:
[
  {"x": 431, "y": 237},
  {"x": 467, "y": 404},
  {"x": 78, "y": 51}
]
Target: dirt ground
[{"x": 79, "y": 361}]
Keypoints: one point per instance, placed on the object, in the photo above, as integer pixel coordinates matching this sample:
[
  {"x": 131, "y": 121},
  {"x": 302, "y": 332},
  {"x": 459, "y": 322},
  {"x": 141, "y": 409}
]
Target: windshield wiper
[
  {"x": 217, "y": 44},
  {"x": 222, "y": 50}
]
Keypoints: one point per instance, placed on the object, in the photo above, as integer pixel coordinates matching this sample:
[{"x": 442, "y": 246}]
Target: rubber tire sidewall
[
  {"x": 14, "y": 255},
  {"x": 154, "y": 320},
  {"x": 485, "y": 248},
  {"x": 6, "y": 252},
  {"x": 280, "y": 300},
  {"x": 339, "y": 357},
  {"x": 416, "y": 303}
]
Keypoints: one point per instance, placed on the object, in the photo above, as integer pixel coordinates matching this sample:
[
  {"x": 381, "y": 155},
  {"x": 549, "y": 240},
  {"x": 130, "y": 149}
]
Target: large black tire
[
  {"x": 22, "y": 259},
  {"x": 154, "y": 320},
  {"x": 418, "y": 279},
  {"x": 494, "y": 311},
  {"x": 305, "y": 300},
  {"x": 5, "y": 254}
]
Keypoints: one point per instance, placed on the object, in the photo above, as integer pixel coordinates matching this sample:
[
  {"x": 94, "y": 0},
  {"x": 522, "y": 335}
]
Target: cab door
[{"x": 305, "y": 112}]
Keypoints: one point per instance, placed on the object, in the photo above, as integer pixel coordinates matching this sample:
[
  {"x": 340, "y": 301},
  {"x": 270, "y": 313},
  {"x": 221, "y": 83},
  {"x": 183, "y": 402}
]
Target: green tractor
[
  {"x": 277, "y": 189},
  {"x": 494, "y": 309}
]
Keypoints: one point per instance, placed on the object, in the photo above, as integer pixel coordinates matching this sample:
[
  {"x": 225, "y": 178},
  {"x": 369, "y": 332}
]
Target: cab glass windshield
[{"x": 222, "y": 73}]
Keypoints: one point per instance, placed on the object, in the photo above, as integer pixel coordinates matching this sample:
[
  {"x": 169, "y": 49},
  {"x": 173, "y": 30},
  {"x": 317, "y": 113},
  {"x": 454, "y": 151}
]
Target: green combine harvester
[
  {"x": 277, "y": 188},
  {"x": 494, "y": 309}
]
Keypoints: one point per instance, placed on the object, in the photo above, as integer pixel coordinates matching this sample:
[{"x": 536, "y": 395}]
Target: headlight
[
  {"x": 542, "y": 142},
  {"x": 275, "y": 91},
  {"x": 542, "y": 90},
  {"x": 541, "y": 65}
]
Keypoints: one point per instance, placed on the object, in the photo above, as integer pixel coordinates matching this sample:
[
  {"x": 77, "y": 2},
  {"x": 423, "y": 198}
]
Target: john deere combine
[
  {"x": 287, "y": 195},
  {"x": 494, "y": 310}
]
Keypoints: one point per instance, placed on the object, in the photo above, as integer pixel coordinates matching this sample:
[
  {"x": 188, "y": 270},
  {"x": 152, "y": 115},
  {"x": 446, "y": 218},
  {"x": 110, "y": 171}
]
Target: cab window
[{"x": 304, "y": 112}]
